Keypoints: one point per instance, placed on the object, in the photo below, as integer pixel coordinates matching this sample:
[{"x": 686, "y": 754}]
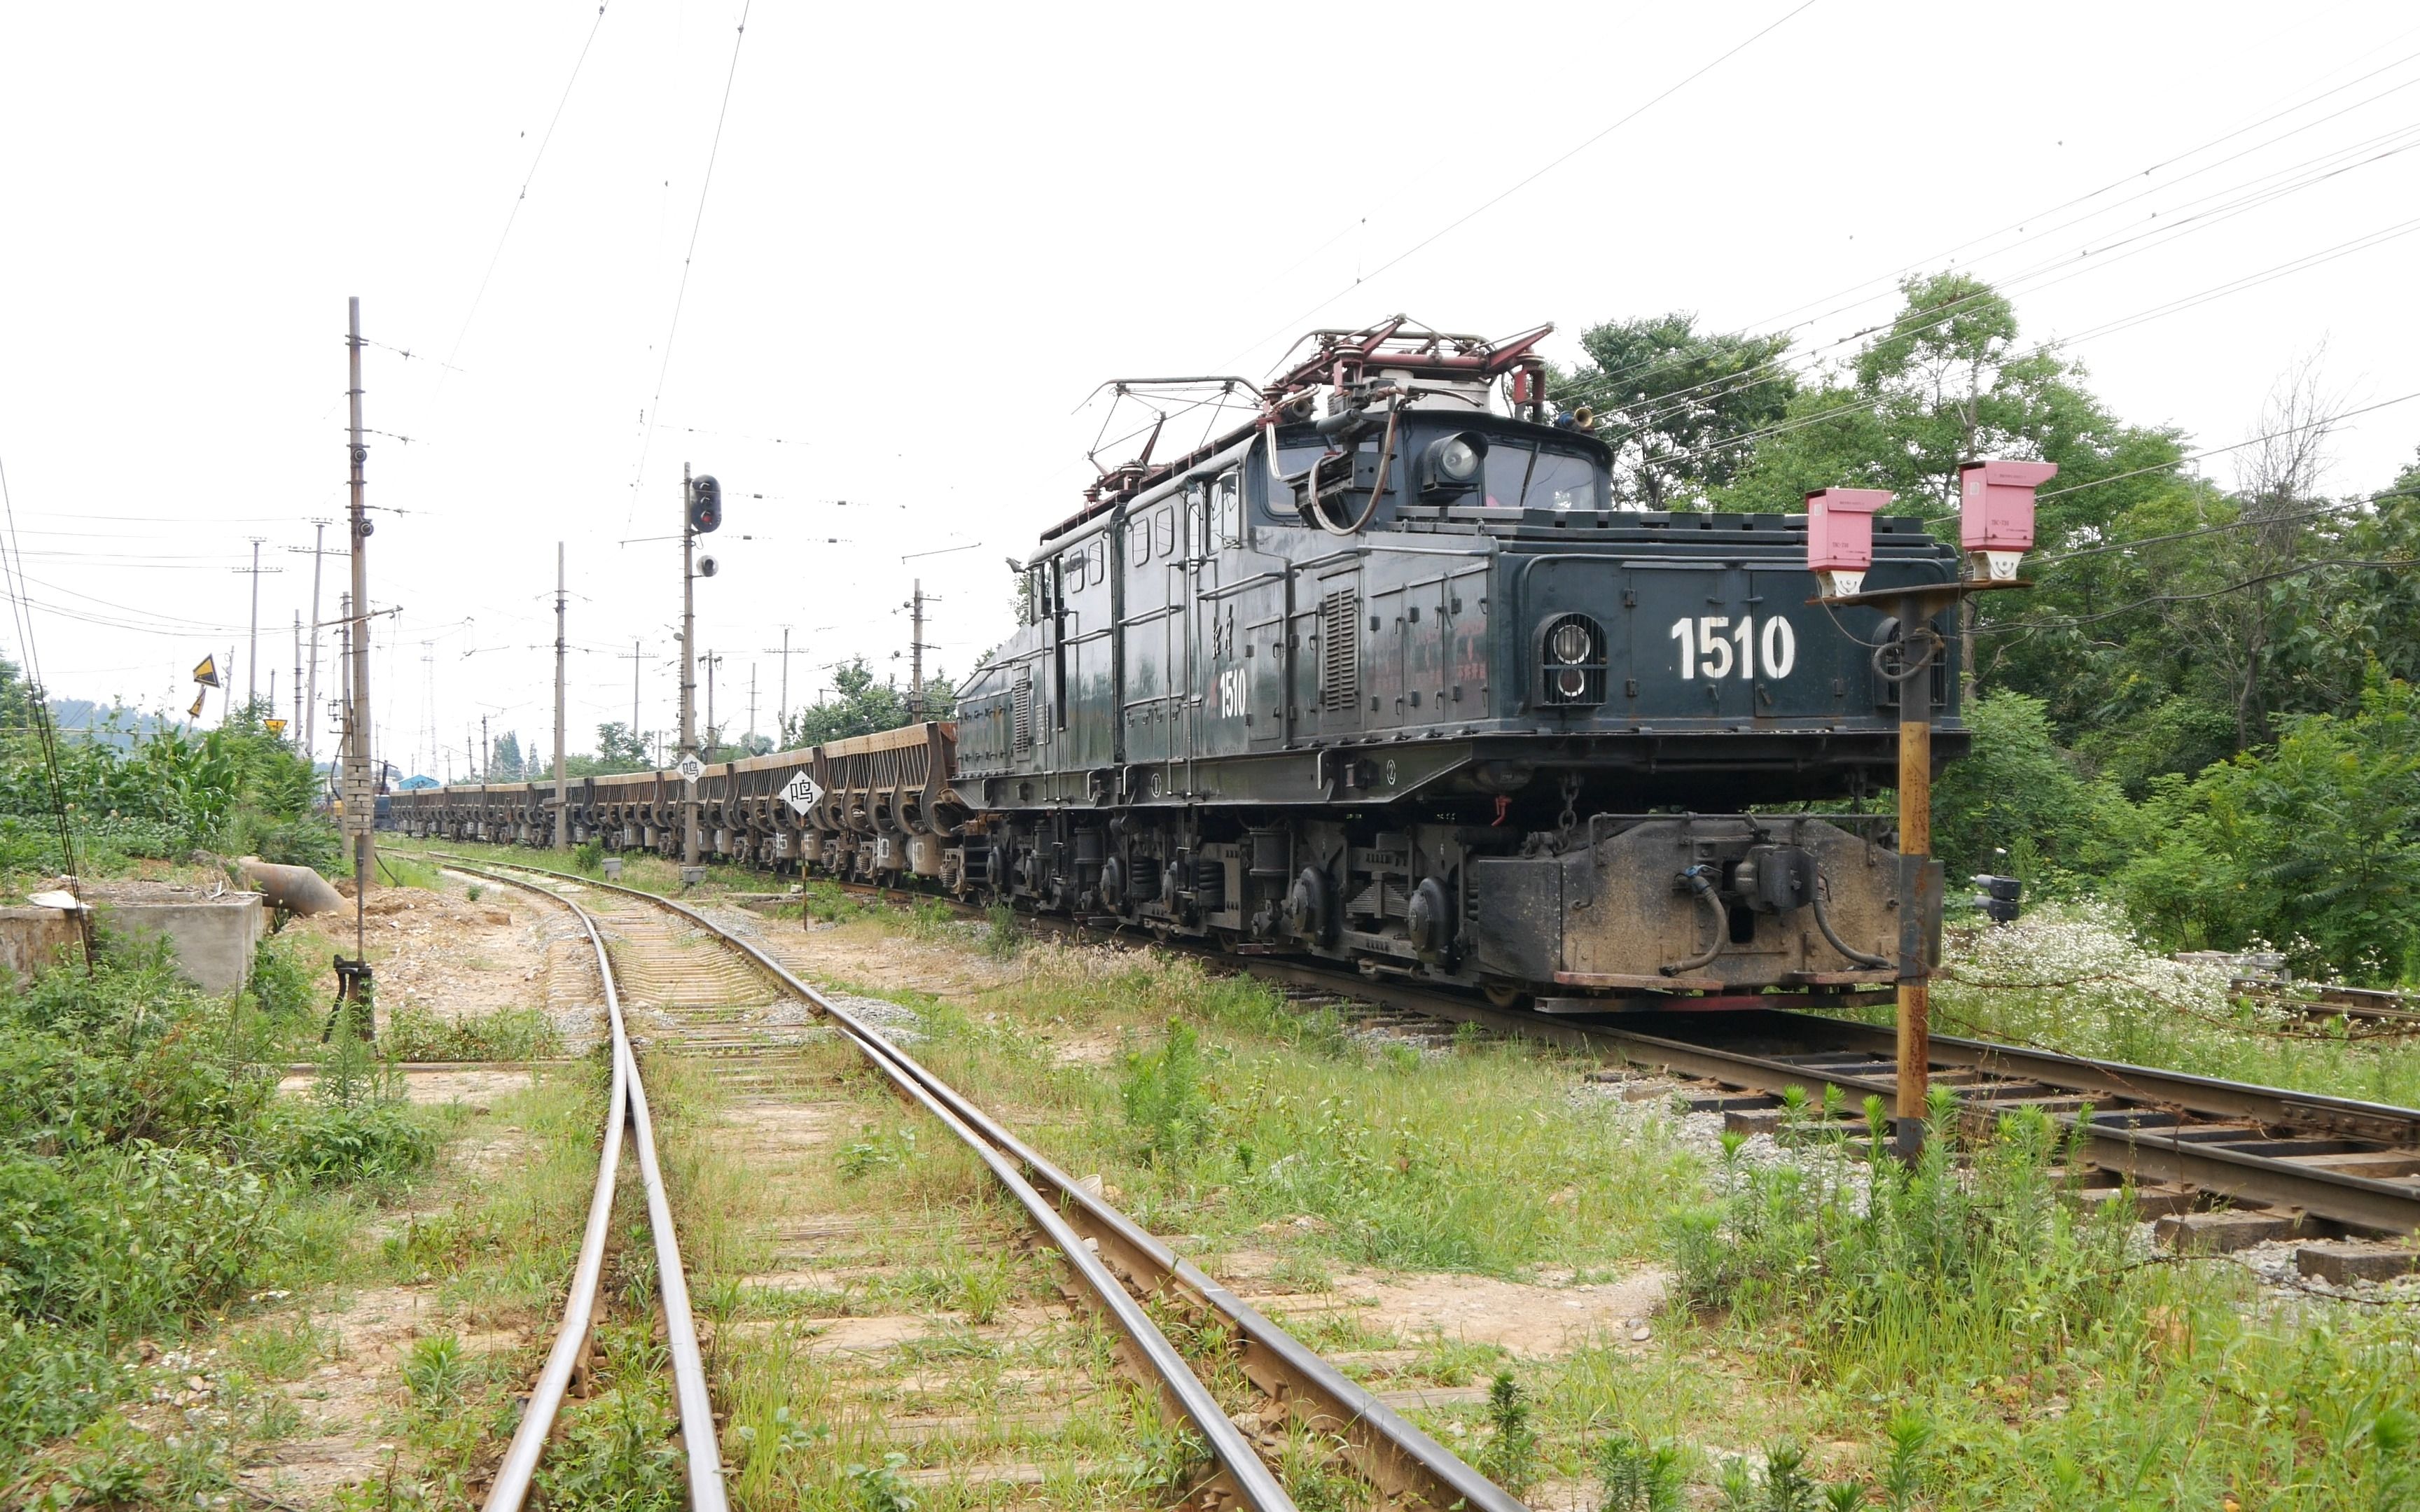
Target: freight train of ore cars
[{"x": 1381, "y": 676}]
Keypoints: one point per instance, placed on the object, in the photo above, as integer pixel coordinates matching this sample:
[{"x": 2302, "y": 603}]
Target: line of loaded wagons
[{"x": 885, "y": 805}]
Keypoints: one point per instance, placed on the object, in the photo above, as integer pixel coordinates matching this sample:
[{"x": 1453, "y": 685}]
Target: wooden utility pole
[
  {"x": 1915, "y": 1018},
  {"x": 561, "y": 788}
]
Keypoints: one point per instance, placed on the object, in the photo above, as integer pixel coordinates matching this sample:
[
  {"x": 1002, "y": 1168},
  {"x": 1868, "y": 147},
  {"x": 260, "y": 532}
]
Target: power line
[
  {"x": 2248, "y": 523},
  {"x": 2218, "y": 451},
  {"x": 1650, "y": 364},
  {"x": 39, "y": 698},
  {"x": 1667, "y": 93},
  {"x": 2072, "y": 263},
  {"x": 528, "y": 178},
  {"x": 2325, "y": 254},
  {"x": 680, "y": 296},
  {"x": 2003, "y": 626}
]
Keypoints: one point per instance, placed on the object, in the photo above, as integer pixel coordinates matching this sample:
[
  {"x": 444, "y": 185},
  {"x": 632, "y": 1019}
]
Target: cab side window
[{"x": 1228, "y": 523}]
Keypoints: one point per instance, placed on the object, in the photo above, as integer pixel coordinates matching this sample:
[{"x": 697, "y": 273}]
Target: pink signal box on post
[
  {"x": 1995, "y": 514},
  {"x": 1840, "y": 538}
]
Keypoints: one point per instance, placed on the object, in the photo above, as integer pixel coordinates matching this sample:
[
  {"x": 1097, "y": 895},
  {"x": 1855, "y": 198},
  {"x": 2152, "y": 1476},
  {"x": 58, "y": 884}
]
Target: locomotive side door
[
  {"x": 1186, "y": 568},
  {"x": 1386, "y": 625},
  {"x": 1142, "y": 692}
]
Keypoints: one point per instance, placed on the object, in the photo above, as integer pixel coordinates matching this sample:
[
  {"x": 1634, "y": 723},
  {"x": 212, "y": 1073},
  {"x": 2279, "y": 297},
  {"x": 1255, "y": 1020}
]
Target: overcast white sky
[{"x": 932, "y": 229}]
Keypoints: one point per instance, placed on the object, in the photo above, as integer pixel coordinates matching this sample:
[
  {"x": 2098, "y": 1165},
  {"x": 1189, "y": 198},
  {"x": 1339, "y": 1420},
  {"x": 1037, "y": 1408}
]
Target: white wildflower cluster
[{"x": 2071, "y": 976}]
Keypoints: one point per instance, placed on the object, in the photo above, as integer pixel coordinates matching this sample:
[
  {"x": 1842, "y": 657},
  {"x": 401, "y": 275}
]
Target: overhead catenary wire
[
  {"x": 2360, "y": 243},
  {"x": 2320, "y": 168},
  {"x": 513, "y": 215},
  {"x": 2249, "y": 522},
  {"x": 2039, "y": 275},
  {"x": 1889, "y": 282},
  {"x": 681, "y": 295},
  {"x": 1531, "y": 177}
]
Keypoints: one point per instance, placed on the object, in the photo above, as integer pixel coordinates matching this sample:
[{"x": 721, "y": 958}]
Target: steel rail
[
  {"x": 627, "y": 1108},
  {"x": 1380, "y": 1444},
  {"x": 2351, "y": 1117},
  {"x": 2342, "y": 1196},
  {"x": 1253, "y": 1482},
  {"x": 511, "y": 1486},
  {"x": 2122, "y": 1145}
]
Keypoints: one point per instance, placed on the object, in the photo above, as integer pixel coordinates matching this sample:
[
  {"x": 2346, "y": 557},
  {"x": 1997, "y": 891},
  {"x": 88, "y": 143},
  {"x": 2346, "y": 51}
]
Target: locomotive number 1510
[{"x": 1714, "y": 647}]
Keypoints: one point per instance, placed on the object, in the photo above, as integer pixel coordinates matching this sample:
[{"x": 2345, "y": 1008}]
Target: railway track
[
  {"x": 1126, "y": 1277},
  {"x": 2312, "y": 1164}
]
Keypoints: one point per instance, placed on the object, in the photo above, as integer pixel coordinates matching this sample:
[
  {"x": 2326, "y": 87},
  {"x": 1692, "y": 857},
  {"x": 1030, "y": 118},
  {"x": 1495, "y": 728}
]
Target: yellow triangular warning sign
[
  {"x": 195, "y": 712},
  {"x": 207, "y": 673}
]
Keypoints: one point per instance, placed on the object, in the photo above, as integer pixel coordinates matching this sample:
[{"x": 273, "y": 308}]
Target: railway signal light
[
  {"x": 1840, "y": 538},
  {"x": 705, "y": 503},
  {"x": 1996, "y": 515}
]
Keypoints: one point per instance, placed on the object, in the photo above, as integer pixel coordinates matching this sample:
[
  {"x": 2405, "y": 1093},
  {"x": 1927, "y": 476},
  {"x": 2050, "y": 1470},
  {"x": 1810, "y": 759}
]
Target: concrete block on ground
[
  {"x": 32, "y": 938},
  {"x": 211, "y": 936},
  {"x": 2220, "y": 1233},
  {"x": 2341, "y": 1263}
]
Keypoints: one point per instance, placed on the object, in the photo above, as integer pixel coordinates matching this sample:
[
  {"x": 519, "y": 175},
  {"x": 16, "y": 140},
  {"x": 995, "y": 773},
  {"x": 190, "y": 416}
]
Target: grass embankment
[
  {"x": 152, "y": 1183},
  {"x": 1841, "y": 1329}
]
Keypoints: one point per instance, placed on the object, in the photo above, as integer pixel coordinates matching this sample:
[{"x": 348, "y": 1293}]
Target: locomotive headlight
[
  {"x": 1449, "y": 465},
  {"x": 1571, "y": 683},
  {"x": 1569, "y": 645},
  {"x": 1457, "y": 460}
]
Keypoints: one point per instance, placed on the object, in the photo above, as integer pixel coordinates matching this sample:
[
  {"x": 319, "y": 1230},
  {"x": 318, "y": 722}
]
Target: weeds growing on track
[
  {"x": 807, "y": 1427},
  {"x": 418, "y": 1034},
  {"x": 1251, "y": 1113}
]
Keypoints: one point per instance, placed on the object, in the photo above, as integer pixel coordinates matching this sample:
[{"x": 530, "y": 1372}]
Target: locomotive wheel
[
  {"x": 1306, "y": 909},
  {"x": 1503, "y": 994}
]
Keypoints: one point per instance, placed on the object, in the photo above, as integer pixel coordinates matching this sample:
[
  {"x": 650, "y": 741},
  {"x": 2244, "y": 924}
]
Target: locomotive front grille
[{"x": 1571, "y": 662}]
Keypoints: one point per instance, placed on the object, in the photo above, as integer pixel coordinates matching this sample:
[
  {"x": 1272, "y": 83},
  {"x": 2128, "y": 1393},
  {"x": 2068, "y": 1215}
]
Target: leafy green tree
[
  {"x": 862, "y": 706},
  {"x": 1672, "y": 401},
  {"x": 619, "y": 748},
  {"x": 505, "y": 764},
  {"x": 2313, "y": 847},
  {"x": 2018, "y": 792}
]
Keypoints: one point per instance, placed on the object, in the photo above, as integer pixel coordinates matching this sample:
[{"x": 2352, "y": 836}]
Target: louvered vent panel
[
  {"x": 1021, "y": 711},
  {"x": 1340, "y": 650}
]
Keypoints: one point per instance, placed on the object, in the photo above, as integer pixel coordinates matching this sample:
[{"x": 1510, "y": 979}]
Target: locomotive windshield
[{"x": 1520, "y": 475}]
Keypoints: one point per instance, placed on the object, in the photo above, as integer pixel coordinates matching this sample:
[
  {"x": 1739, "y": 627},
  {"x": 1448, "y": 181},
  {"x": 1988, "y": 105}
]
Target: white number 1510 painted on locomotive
[{"x": 1381, "y": 676}]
